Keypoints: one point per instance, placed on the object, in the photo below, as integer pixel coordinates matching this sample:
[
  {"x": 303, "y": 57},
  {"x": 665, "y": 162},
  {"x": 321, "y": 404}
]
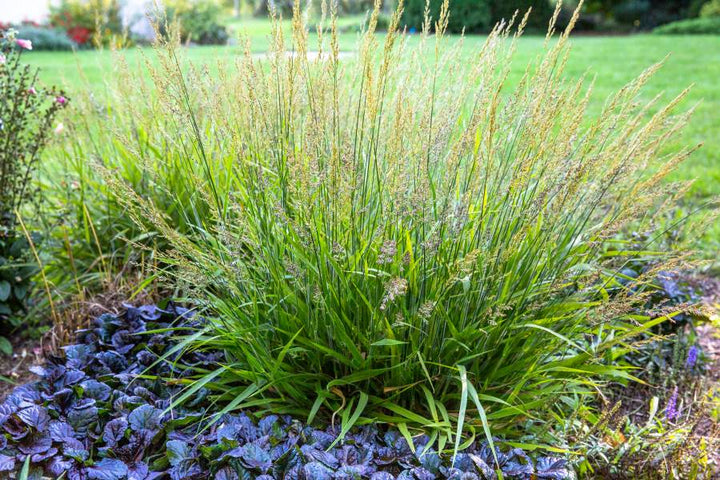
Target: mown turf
[{"x": 611, "y": 61}]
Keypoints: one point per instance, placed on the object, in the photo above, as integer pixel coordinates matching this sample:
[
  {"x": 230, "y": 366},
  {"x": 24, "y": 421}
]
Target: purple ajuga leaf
[
  {"x": 382, "y": 476},
  {"x": 351, "y": 472},
  {"x": 62, "y": 400},
  {"x": 96, "y": 390},
  {"x": 79, "y": 356},
  {"x": 228, "y": 473},
  {"x": 313, "y": 454},
  {"x": 35, "y": 443},
  {"x": 107, "y": 469},
  {"x": 16, "y": 428},
  {"x": 146, "y": 312},
  {"x": 83, "y": 415},
  {"x": 112, "y": 361},
  {"x": 144, "y": 417},
  {"x": 35, "y": 417},
  {"x": 422, "y": 474},
  {"x": 114, "y": 431},
  {"x": 485, "y": 469},
  {"x": 255, "y": 457},
  {"x": 75, "y": 449},
  {"x": 186, "y": 471},
  {"x": 71, "y": 377},
  {"x": 178, "y": 452},
  {"x": 123, "y": 341},
  {"x": 430, "y": 460},
  {"x": 135, "y": 447},
  {"x": 551, "y": 468},
  {"x": 317, "y": 471},
  {"x": 58, "y": 465},
  {"x": 41, "y": 457},
  {"x": 266, "y": 424},
  {"x": 459, "y": 475},
  {"x": 139, "y": 471},
  {"x": 127, "y": 403},
  {"x": 7, "y": 463},
  {"x": 23, "y": 395}
]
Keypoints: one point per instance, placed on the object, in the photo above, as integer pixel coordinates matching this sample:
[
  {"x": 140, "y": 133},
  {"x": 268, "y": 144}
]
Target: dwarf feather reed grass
[{"x": 396, "y": 237}]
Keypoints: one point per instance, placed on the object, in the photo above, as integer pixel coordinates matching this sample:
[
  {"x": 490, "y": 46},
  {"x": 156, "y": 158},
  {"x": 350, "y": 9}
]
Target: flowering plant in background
[
  {"x": 79, "y": 35},
  {"x": 692, "y": 357},
  {"x": 86, "y": 22},
  {"x": 671, "y": 411},
  {"x": 22, "y": 43},
  {"x": 27, "y": 113}
]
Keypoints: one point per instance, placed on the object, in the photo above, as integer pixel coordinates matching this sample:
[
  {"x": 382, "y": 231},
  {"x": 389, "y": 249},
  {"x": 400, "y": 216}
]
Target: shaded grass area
[{"x": 613, "y": 61}]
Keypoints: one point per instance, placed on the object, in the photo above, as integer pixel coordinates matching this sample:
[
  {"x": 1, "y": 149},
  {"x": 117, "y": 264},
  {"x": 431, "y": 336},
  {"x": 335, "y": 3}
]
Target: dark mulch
[{"x": 14, "y": 368}]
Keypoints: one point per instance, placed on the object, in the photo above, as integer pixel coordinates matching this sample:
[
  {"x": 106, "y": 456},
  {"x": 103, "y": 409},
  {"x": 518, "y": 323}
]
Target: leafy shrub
[
  {"x": 542, "y": 11},
  {"x": 90, "y": 21},
  {"x": 632, "y": 11},
  {"x": 17, "y": 269},
  {"x": 710, "y": 9},
  {"x": 351, "y": 7},
  {"x": 90, "y": 414},
  {"x": 199, "y": 21},
  {"x": 468, "y": 15},
  {"x": 44, "y": 38},
  {"x": 27, "y": 113},
  {"x": 694, "y": 26},
  {"x": 620, "y": 15},
  {"x": 480, "y": 16}
]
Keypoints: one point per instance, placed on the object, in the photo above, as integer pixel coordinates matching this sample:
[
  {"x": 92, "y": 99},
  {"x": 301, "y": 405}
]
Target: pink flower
[
  {"x": 2, "y": 59},
  {"x": 59, "y": 128},
  {"x": 32, "y": 91},
  {"x": 26, "y": 44},
  {"x": 61, "y": 100}
]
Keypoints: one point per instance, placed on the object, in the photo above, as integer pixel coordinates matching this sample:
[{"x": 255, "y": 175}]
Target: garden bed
[
  {"x": 408, "y": 267},
  {"x": 103, "y": 410}
]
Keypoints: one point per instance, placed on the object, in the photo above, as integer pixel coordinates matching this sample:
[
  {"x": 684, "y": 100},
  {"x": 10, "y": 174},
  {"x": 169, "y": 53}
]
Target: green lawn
[{"x": 613, "y": 60}]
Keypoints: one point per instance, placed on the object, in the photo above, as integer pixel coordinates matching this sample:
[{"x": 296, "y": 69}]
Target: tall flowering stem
[
  {"x": 26, "y": 118},
  {"x": 692, "y": 357},
  {"x": 671, "y": 411}
]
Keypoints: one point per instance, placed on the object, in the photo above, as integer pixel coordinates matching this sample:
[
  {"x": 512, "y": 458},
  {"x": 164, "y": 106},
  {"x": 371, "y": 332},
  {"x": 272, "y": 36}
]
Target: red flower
[{"x": 80, "y": 35}]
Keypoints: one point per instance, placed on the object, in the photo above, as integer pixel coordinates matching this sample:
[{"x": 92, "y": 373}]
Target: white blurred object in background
[
  {"x": 14, "y": 11},
  {"x": 133, "y": 13}
]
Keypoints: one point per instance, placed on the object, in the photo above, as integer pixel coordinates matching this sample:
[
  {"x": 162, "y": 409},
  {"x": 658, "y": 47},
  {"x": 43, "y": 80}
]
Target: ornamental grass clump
[{"x": 399, "y": 236}]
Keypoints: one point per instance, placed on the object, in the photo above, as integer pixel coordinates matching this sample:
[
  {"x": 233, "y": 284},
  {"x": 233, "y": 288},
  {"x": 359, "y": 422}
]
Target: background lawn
[{"x": 614, "y": 61}]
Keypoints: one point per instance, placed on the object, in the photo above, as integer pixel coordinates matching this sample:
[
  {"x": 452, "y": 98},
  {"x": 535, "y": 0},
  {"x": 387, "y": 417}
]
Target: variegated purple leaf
[
  {"x": 255, "y": 457},
  {"x": 35, "y": 417},
  {"x": 96, "y": 390},
  {"x": 317, "y": 471},
  {"x": 552, "y": 468},
  {"x": 144, "y": 417},
  {"x": 114, "y": 431},
  {"x": 7, "y": 463},
  {"x": 107, "y": 469}
]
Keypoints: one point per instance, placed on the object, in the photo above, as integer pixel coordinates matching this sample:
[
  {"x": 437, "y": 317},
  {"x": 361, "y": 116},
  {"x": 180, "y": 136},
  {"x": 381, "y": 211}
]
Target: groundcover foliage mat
[{"x": 102, "y": 411}]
